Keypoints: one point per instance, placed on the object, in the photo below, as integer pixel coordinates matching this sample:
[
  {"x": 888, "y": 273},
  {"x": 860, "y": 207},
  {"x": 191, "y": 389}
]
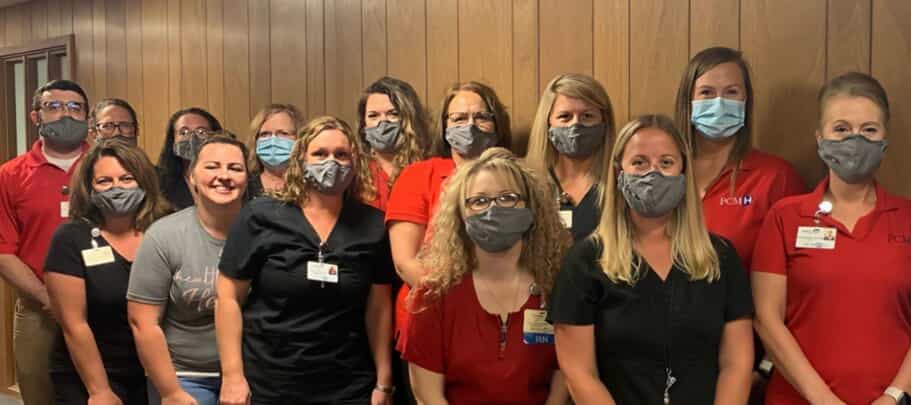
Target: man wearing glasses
[{"x": 34, "y": 200}]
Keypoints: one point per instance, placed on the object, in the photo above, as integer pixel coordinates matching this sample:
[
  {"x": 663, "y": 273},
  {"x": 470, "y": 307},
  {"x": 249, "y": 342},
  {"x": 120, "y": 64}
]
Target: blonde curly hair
[
  {"x": 449, "y": 255},
  {"x": 297, "y": 187}
]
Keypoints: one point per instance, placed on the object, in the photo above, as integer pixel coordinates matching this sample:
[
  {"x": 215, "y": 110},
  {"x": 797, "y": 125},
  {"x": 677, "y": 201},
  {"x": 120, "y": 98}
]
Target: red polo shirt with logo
[
  {"x": 736, "y": 214},
  {"x": 849, "y": 308},
  {"x": 381, "y": 181},
  {"x": 31, "y": 192},
  {"x": 414, "y": 199}
]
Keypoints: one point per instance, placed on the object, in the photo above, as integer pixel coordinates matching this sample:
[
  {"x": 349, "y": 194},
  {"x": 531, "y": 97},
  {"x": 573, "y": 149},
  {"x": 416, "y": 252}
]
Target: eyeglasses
[
  {"x": 74, "y": 107},
  {"x": 108, "y": 128},
  {"x": 483, "y": 202},
  {"x": 199, "y": 132},
  {"x": 479, "y": 118},
  {"x": 280, "y": 134}
]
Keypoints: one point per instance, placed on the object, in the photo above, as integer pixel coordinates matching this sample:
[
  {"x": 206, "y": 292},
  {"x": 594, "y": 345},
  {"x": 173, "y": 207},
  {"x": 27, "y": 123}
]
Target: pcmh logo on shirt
[{"x": 742, "y": 201}]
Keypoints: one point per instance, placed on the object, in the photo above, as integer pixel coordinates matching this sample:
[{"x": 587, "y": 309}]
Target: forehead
[
  {"x": 220, "y": 152},
  {"x": 465, "y": 101},
  {"x": 853, "y": 109},
  {"x": 329, "y": 138},
  {"x": 378, "y": 101},
  {"x": 191, "y": 121},
  {"x": 492, "y": 181},
  {"x": 61, "y": 95},
  {"x": 567, "y": 103},
  {"x": 650, "y": 142},
  {"x": 114, "y": 113},
  {"x": 725, "y": 74},
  {"x": 107, "y": 166},
  {"x": 278, "y": 119}
]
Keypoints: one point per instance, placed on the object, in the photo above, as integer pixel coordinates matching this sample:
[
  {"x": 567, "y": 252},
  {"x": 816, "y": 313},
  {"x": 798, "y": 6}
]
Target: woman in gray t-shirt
[{"x": 172, "y": 283}]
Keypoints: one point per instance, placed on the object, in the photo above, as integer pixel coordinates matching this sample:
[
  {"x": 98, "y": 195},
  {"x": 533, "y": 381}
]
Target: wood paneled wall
[{"x": 234, "y": 56}]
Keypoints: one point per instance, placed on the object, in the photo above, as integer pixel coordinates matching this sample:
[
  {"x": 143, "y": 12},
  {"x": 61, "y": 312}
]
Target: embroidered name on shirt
[{"x": 742, "y": 201}]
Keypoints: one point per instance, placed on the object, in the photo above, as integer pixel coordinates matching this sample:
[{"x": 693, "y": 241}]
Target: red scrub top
[
  {"x": 849, "y": 308},
  {"x": 381, "y": 181},
  {"x": 414, "y": 199},
  {"x": 456, "y": 337},
  {"x": 31, "y": 192},
  {"x": 762, "y": 179}
]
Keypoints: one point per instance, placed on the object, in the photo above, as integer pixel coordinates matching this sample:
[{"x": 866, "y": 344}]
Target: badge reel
[
  {"x": 322, "y": 272},
  {"x": 817, "y": 237},
  {"x": 97, "y": 255}
]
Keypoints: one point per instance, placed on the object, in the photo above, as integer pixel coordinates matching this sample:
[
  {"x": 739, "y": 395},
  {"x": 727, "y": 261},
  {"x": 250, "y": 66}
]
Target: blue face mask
[
  {"x": 719, "y": 117},
  {"x": 274, "y": 151}
]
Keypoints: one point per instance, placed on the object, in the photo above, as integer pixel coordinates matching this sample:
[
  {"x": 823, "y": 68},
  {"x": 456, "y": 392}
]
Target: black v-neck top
[
  {"x": 643, "y": 329},
  {"x": 304, "y": 338}
]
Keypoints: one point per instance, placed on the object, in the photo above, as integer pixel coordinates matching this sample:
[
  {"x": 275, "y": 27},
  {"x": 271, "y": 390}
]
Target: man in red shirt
[{"x": 34, "y": 200}]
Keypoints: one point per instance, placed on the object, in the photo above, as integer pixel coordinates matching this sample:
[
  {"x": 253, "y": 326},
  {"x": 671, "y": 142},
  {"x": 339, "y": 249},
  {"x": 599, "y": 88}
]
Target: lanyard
[
  {"x": 670, "y": 379},
  {"x": 563, "y": 197}
]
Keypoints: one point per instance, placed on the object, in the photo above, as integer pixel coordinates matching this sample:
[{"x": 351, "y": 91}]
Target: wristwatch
[
  {"x": 895, "y": 393},
  {"x": 765, "y": 368}
]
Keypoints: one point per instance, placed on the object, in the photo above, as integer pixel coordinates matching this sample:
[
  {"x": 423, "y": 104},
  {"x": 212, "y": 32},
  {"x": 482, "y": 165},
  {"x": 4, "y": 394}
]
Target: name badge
[
  {"x": 324, "y": 272},
  {"x": 97, "y": 256},
  {"x": 567, "y": 217},
  {"x": 535, "y": 328},
  {"x": 816, "y": 237},
  {"x": 64, "y": 209}
]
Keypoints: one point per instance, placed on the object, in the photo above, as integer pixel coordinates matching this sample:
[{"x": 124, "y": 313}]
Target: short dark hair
[{"x": 61, "y": 84}]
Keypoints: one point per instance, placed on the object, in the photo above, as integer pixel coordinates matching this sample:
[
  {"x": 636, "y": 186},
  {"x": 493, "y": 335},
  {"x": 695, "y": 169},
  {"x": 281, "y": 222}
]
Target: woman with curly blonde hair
[
  {"x": 653, "y": 309},
  {"x": 304, "y": 299},
  {"x": 395, "y": 130},
  {"x": 274, "y": 131},
  {"x": 477, "y": 334}
]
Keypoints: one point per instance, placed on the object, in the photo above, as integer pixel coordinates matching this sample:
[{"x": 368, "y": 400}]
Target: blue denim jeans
[{"x": 204, "y": 390}]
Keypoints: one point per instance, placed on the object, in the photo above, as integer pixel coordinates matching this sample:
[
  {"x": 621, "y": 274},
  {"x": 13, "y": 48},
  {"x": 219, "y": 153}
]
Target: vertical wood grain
[
  {"x": 525, "y": 71},
  {"x": 39, "y": 17},
  {"x": 316, "y": 58},
  {"x": 192, "y": 48},
  {"x": 237, "y": 68},
  {"x": 260, "y": 61},
  {"x": 134, "y": 62},
  {"x": 714, "y": 23},
  {"x": 376, "y": 20},
  {"x": 84, "y": 38},
  {"x": 848, "y": 36},
  {"x": 289, "y": 53},
  {"x": 154, "y": 75},
  {"x": 408, "y": 63},
  {"x": 659, "y": 50},
  {"x": 174, "y": 57},
  {"x": 611, "y": 48},
  {"x": 344, "y": 58},
  {"x": 442, "y": 49},
  {"x": 100, "y": 50},
  {"x": 215, "y": 57},
  {"x": 485, "y": 45},
  {"x": 116, "y": 50},
  {"x": 565, "y": 38}
]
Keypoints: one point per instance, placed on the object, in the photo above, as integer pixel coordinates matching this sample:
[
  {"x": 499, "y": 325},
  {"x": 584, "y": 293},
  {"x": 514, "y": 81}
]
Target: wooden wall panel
[
  {"x": 714, "y": 23},
  {"x": 848, "y": 37},
  {"x": 234, "y": 56},
  {"x": 785, "y": 109},
  {"x": 611, "y": 49},
  {"x": 891, "y": 50},
  {"x": 654, "y": 75}
]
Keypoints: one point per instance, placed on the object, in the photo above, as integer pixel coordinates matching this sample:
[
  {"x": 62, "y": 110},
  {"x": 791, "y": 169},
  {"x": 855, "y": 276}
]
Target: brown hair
[
  {"x": 254, "y": 165},
  {"x": 297, "y": 187},
  {"x": 222, "y": 137},
  {"x": 855, "y": 84},
  {"x": 134, "y": 161},
  {"x": 501, "y": 117}
]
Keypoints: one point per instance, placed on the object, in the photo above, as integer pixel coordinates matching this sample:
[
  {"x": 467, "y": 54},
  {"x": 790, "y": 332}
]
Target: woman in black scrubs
[
  {"x": 570, "y": 140},
  {"x": 113, "y": 201},
  {"x": 653, "y": 309},
  {"x": 304, "y": 312},
  {"x": 186, "y": 130}
]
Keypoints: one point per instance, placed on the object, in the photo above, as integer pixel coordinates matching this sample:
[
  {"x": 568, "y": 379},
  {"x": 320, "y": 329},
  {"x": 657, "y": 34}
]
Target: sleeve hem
[{"x": 145, "y": 300}]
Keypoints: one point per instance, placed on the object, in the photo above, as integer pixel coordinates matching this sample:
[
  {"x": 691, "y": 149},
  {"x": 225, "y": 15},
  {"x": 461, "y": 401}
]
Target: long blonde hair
[
  {"x": 691, "y": 246},
  {"x": 297, "y": 187},
  {"x": 541, "y": 154},
  {"x": 450, "y": 253}
]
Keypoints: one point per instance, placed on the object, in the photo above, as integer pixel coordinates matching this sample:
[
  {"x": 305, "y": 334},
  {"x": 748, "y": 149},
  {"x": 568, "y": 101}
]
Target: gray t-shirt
[{"x": 176, "y": 267}]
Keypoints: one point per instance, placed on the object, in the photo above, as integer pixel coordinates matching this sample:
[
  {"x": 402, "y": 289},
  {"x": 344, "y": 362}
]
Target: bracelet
[{"x": 387, "y": 389}]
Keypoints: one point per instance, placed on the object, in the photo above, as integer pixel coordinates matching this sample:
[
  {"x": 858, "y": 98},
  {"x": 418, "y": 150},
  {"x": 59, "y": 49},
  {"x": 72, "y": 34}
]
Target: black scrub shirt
[
  {"x": 306, "y": 341},
  {"x": 586, "y": 215},
  {"x": 642, "y": 330},
  {"x": 105, "y": 296}
]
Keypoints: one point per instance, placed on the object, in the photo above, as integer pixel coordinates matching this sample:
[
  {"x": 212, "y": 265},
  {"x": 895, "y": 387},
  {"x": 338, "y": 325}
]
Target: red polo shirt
[
  {"x": 849, "y": 308},
  {"x": 381, "y": 181},
  {"x": 737, "y": 214},
  {"x": 31, "y": 190},
  {"x": 456, "y": 337},
  {"x": 414, "y": 199}
]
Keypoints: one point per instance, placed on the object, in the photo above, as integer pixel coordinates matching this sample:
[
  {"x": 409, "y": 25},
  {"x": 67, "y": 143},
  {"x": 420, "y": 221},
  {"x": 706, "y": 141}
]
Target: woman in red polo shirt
[
  {"x": 395, "y": 131},
  {"x": 478, "y": 333},
  {"x": 738, "y": 184},
  {"x": 831, "y": 275}
]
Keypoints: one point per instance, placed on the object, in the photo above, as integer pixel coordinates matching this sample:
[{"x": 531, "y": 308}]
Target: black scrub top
[
  {"x": 644, "y": 329},
  {"x": 105, "y": 296},
  {"x": 585, "y": 215},
  {"x": 306, "y": 341}
]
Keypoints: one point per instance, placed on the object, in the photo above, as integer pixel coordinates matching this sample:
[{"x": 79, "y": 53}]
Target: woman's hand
[
  {"x": 382, "y": 398},
  {"x": 179, "y": 398},
  {"x": 106, "y": 397},
  {"x": 234, "y": 391},
  {"x": 884, "y": 400},
  {"x": 829, "y": 398}
]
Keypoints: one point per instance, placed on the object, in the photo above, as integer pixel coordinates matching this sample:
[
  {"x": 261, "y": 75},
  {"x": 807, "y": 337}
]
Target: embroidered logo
[{"x": 743, "y": 201}]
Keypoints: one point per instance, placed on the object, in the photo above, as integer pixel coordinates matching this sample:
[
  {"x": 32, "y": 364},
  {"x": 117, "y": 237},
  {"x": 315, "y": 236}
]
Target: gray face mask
[
  {"x": 383, "y": 136},
  {"x": 118, "y": 201},
  {"x": 65, "y": 134},
  {"x": 497, "y": 229},
  {"x": 854, "y": 158},
  {"x": 329, "y": 176},
  {"x": 652, "y": 194},
  {"x": 188, "y": 149},
  {"x": 469, "y": 140},
  {"x": 577, "y": 141}
]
